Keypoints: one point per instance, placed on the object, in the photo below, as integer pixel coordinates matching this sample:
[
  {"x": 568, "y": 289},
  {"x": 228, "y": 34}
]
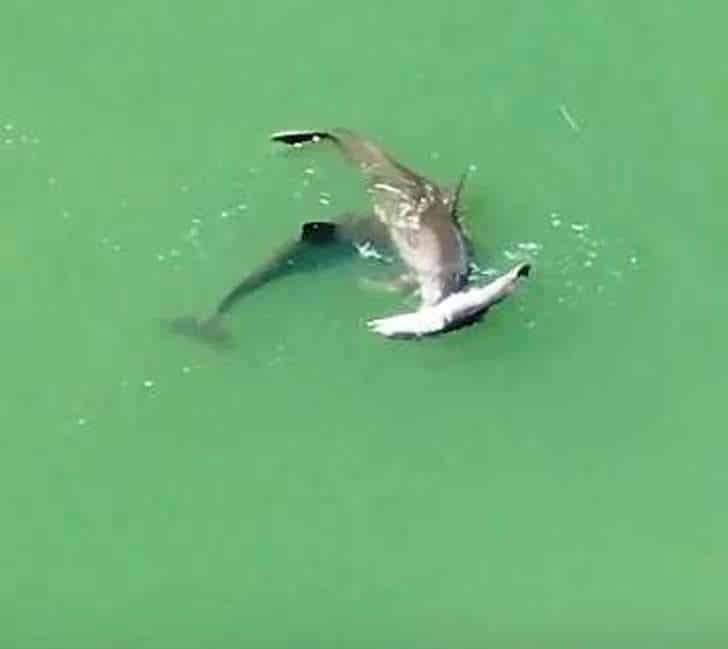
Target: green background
[{"x": 554, "y": 477}]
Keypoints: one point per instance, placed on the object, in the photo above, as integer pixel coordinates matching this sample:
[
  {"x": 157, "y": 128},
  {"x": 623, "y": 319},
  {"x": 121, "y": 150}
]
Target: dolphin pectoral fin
[{"x": 208, "y": 330}]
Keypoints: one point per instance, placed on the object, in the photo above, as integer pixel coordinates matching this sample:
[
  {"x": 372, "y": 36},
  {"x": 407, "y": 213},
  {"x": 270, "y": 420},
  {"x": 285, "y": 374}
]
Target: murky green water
[{"x": 554, "y": 477}]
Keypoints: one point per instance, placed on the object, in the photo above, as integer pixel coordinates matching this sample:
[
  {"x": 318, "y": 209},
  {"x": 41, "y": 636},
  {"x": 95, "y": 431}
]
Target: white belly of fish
[{"x": 455, "y": 309}]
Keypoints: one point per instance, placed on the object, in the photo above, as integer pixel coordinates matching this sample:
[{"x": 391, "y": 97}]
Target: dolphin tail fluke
[
  {"x": 357, "y": 149},
  {"x": 300, "y": 137},
  {"x": 207, "y": 330}
]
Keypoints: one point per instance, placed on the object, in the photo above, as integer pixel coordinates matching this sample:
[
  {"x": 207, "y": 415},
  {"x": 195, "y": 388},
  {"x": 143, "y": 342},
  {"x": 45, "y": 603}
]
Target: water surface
[{"x": 551, "y": 478}]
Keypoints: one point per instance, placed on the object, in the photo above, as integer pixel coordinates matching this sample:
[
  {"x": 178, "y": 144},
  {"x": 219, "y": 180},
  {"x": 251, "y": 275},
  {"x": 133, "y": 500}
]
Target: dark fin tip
[
  {"x": 318, "y": 232},
  {"x": 524, "y": 271},
  {"x": 298, "y": 137}
]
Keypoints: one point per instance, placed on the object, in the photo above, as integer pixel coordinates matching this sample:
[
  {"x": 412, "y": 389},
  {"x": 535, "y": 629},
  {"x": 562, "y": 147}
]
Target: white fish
[{"x": 456, "y": 310}]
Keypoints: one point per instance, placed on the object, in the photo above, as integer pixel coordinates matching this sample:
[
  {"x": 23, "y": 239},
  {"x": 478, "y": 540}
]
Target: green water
[{"x": 554, "y": 477}]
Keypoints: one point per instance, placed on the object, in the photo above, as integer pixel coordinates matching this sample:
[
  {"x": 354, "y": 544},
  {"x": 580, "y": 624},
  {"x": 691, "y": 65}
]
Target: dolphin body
[{"x": 416, "y": 217}]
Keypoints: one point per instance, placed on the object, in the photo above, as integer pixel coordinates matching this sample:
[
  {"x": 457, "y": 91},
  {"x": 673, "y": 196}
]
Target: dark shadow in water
[{"x": 208, "y": 330}]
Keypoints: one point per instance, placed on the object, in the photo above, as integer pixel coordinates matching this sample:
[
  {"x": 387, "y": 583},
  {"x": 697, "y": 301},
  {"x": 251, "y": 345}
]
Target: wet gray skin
[
  {"x": 411, "y": 214},
  {"x": 419, "y": 216}
]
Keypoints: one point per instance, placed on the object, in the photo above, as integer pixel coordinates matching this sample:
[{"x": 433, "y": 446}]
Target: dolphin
[{"x": 412, "y": 215}]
